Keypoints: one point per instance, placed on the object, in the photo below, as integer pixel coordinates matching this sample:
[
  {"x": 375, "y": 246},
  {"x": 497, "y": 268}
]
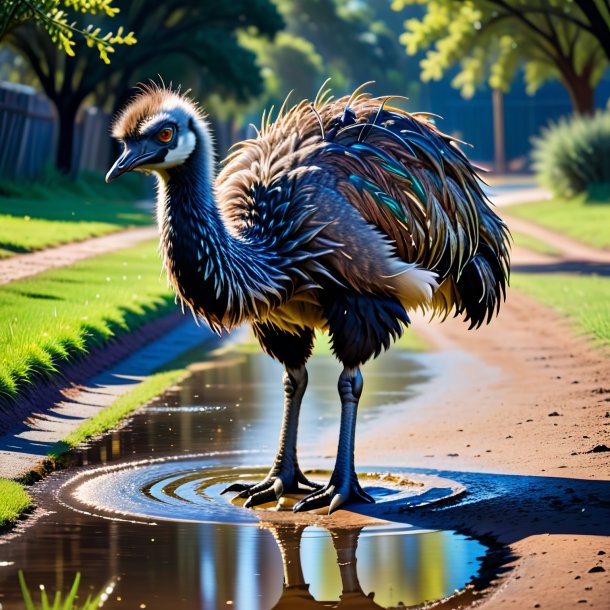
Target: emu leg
[
  {"x": 285, "y": 474},
  {"x": 343, "y": 485}
]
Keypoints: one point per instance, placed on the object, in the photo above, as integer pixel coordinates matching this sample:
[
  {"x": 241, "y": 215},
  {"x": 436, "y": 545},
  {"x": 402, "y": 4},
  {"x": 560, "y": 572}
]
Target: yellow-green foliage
[
  {"x": 492, "y": 40},
  {"x": 58, "y": 315},
  {"x": 584, "y": 299},
  {"x": 584, "y": 221},
  {"x": 571, "y": 156},
  {"x": 14, "y": 501},
  {"x": 57, "y": 18}
]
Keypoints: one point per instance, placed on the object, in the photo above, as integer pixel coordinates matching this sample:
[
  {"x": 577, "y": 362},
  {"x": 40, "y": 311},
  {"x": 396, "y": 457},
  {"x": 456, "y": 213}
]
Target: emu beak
[{"x": 132, "y": 157}]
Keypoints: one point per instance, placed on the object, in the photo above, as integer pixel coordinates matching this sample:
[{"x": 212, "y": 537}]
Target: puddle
[{"x": 145, "y": 516}]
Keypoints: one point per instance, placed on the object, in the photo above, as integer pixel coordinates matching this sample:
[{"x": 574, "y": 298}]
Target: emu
[{"x": 340, "y": 215}]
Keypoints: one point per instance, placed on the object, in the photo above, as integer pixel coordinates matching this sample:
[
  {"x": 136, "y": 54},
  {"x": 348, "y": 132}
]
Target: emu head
[{"x": 160, "y": 130}]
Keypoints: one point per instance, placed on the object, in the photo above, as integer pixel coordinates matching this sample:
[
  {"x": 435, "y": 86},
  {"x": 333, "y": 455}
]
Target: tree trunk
[
  {"x": 582, "y": 95},
  {"x": 64, "y": 156}
]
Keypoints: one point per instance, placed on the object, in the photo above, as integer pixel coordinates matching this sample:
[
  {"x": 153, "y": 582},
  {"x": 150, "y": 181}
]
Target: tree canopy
[
  {"x": 198, "y": 38},
  {"x": 567, "y": 40},
  {"x": 350, "y": 42},
  {"x": 58, "y": 19}
]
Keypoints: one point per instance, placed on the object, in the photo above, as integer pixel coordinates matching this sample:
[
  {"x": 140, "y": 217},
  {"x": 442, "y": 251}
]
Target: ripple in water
[
  {"x": 346, "y": 556},
  {"x": 178, "y": 489}
]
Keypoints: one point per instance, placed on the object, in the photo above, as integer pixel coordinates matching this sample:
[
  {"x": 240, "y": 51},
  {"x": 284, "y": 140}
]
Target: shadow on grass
[
  {"x": 572, "y": 267},
  {"x": 11, "y": 247}
]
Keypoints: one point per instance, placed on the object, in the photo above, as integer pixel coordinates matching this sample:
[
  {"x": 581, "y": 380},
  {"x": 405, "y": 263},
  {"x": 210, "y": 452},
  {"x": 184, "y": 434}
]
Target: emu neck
[{"x": 210, "y": 270}]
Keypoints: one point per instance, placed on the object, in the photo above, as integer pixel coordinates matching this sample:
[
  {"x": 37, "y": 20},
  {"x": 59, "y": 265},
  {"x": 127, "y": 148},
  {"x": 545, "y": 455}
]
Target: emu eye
[{"x": 165, "y": 135}]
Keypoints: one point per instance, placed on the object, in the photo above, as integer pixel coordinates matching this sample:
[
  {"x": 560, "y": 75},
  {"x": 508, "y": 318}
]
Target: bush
[{"x": 572, "y": 156}]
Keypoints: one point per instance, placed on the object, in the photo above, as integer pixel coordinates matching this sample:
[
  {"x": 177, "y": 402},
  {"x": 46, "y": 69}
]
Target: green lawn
[
  {"x": 58, "y": 211},
  {"x": 583, "y": 299},
  {"x": 27, "y": 234},
  {"x": 14, "y": 501},
  {"x": 111, "y": 416},
  {"x": 523, "y": 240},
  {"x": 61, "y": 314},
  {"x": 585, "y": 221}
]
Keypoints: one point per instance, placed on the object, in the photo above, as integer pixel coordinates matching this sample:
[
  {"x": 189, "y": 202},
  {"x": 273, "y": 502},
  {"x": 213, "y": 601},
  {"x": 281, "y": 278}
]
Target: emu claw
[
  {"x": 334, "y": 496},
  {"x": 235, "y": 487},
  {"x": 271, "y": 488}
]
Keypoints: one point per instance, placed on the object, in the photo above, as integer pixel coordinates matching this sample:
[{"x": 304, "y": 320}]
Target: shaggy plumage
[{"x": 341, "y": 215}]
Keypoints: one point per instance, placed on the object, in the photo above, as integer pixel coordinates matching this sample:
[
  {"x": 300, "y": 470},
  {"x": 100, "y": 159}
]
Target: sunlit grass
[
  {"x": 523, "y": 240},
  {"x": 14, "y": 501},
  {"x": 409, "y": 341},
  {"x": 583, "y": 299},
  {"x": 111, "y": 416},
  {"x": 248, "y": 344},
  {"x": 61, "y": 314},
  {"x": 585, "y": 221},
  {"x": 57, "y": 211},
  {"x": 27, "y": 234}
]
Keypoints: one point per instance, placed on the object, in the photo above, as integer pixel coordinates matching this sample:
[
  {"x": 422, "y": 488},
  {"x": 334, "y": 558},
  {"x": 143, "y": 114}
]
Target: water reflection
[
  {"x": 316, "y": 567},
  {"x": 364, "y": 568},
  {"x": 233, "y": 404}
]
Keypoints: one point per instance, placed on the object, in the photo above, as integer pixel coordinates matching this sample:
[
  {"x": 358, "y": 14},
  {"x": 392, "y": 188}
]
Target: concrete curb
[{"x": 26, "y": 445}]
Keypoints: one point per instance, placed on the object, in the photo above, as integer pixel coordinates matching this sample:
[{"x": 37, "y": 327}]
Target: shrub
[{"x": 572, "y": 156}]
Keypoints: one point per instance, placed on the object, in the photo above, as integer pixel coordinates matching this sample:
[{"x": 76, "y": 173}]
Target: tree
[
  {"x": 492, "y": 39},
  {"x": 351, "y": 42},
  {"x": 354, "y": 44},
  {"x": 174, "y": 37},
  {"x": 53, "y": 16}
]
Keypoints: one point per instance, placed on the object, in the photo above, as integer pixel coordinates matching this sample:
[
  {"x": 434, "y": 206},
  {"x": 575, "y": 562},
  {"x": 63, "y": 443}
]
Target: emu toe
[
  {"x": 335, "y": 494},
  {"x": 275, "y": 484}
]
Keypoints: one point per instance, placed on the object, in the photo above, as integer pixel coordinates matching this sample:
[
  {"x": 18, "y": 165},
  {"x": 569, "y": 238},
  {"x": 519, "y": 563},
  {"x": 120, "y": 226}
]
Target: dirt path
[
  {"x": 513, "y": 195},
  {"x": 569, "y": 248},
  {"x": 26, "y": 265},
  {"x": 530, "y": 401}
]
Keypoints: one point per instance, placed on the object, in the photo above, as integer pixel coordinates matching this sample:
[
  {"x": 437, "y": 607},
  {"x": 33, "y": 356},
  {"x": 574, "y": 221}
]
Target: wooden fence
[{"x": 28, "y": 132}]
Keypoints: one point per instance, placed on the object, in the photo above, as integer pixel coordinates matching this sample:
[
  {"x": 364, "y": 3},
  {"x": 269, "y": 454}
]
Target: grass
[
  {"x": 14, "y": 501},
  {"x": 533, "y": 244},
  {"x": 585, "y": 221},
  {"x": 583, "y": 299},
  {"x": 61, "y": 314},
  {"x": 409, "y": 342},
  {"x": 26, "y": 234},
  {"x": 124, "y": 405},
  {"x": 322, "y": 346},
  {"x": 69, "y": 603},
  {"x": 57, "y": 210}
]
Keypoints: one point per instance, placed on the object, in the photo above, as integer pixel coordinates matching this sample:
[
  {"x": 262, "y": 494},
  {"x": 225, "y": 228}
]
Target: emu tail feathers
[{"x": 481, "y": 286}]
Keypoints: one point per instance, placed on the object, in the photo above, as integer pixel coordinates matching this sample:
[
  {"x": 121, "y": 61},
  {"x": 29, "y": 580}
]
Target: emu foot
[
  {"x": 343, "y": 487},
  {"x": 281, "y": 479}
]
